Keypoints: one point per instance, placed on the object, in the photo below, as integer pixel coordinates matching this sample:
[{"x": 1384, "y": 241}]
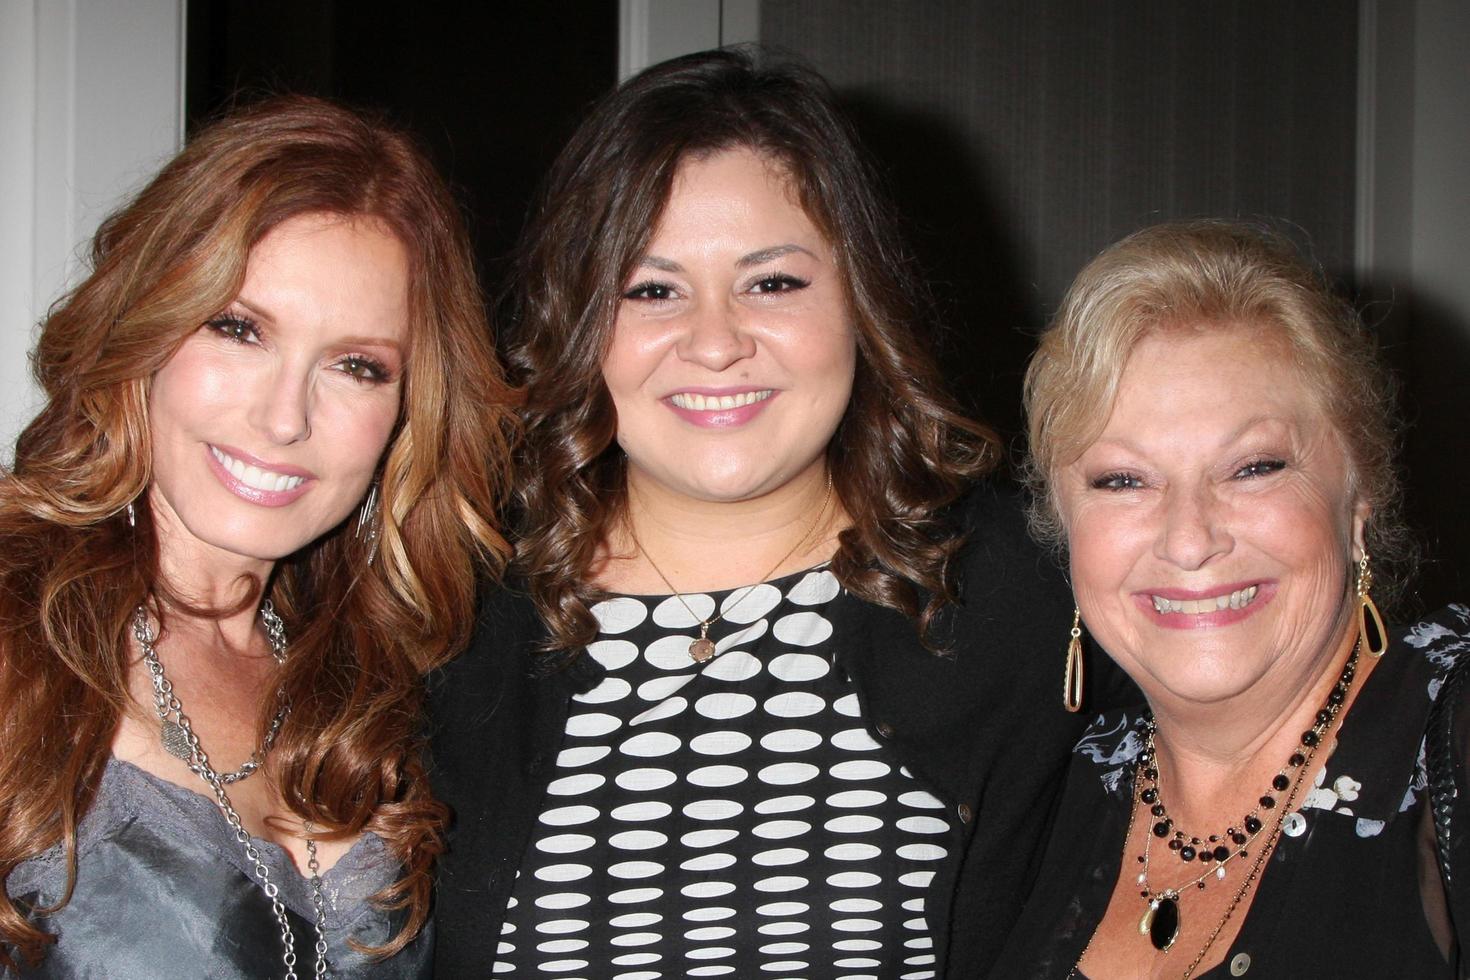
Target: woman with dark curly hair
[
  {"x": 767, "y": 696},
  {"x": 1212, "y": 439},
  {"x": 247, "y": 522}
]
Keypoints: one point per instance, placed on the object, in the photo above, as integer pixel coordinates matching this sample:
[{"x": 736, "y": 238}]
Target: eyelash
[
  {"x": 376, "y": 371},
  {"x": 232, "y": 326},
  {"x": 783, "y": 282},
  {"x": 358, "y": 367},
  {"x": 776, "y": 282},
  {"x": 1259, "y": 468},
  {"x": 1111, "y": 481},
  {"x": 639, "y": 291},
  {"x": 1121, "y": 480}
]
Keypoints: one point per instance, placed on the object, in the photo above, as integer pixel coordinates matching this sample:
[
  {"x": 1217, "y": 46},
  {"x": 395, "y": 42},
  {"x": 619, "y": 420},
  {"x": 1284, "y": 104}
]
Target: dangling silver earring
[
  {"x": 132, "y": 515},
  {"x": 367, "y": 523},
  {"x": 1072, "y": 676}
]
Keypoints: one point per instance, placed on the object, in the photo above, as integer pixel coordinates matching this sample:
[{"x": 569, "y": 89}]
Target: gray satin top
[{"x": 164, "y": 890}]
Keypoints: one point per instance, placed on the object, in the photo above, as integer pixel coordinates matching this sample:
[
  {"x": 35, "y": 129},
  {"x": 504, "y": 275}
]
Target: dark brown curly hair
[
  {"x": 362, "y": 634},
  {"x": 902, "y": 450}
]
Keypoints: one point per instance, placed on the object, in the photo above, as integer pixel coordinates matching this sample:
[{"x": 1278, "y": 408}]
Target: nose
[
  {"x": 1195, "y": 529},
  {"x": 717, "y": 336},
  {"x": 281, "y": 408}
]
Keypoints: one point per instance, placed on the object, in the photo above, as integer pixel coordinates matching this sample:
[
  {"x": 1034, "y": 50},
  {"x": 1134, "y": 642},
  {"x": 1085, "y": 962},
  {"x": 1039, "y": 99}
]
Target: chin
[
  {"x": 1199, "y": 680},
  {"x": 254, "y": 539}
]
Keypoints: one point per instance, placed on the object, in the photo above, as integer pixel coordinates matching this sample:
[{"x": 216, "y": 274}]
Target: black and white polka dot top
[{"x": 733, "y": 818}]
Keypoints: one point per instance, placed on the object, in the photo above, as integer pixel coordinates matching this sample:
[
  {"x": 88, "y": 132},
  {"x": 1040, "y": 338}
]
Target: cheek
[
  {"x": 186, "y": 390},
  {"x": 1102, "y": 543},
  {"x": 364, "y": 431}
]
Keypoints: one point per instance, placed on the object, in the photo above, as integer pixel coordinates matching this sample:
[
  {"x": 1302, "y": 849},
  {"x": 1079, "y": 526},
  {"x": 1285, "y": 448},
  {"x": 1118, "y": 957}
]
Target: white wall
[{"x": 91, "y": 103}]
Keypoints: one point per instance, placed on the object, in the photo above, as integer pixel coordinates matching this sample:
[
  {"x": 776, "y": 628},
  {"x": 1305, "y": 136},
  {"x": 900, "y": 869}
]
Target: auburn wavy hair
[
  {"x": 901, "y": 452},
  {"x": 362, "y": 634}
]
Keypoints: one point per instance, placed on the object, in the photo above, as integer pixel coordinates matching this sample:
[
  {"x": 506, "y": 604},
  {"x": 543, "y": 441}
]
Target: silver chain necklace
[
  {"x": 174, "y": 732},
  {"x": 166, "y": 703}
]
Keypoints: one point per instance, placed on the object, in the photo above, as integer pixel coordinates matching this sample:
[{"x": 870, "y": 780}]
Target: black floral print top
[{"x": 1352, "y": 888}]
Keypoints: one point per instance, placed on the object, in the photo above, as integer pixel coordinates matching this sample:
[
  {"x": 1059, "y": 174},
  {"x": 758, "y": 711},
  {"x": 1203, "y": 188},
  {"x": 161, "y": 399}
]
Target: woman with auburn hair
[
  {"x": 1212, "y": 439},
  {"x": 248, "y": 520},
  {"x": 765, "y": 697}
]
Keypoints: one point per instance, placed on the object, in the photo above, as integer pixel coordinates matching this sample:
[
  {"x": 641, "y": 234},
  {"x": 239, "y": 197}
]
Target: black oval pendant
[{"x": 1165, "y": 927}]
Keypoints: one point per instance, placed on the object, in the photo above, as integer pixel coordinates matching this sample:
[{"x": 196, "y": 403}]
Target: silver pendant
[
  {"x": 701, "y": 650},
  {"x": 175, "y": 740}
]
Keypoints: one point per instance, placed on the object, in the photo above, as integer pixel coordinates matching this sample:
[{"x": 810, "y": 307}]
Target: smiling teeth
[
  {"x": 719, "y": 403},
  {"x": 1238, "y": 599},
  {"x": 255, "y": 477}
]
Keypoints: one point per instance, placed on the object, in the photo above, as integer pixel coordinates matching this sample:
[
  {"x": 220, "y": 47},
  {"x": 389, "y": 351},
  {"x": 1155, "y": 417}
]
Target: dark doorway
[{"x": 492, "y": 90}]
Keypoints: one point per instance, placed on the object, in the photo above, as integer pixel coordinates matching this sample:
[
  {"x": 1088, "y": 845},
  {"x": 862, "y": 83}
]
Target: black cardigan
[{"x": 982, "y": 728}]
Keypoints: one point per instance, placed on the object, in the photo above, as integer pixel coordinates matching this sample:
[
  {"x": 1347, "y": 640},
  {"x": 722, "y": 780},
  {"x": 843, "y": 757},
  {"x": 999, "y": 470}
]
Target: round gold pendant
[{"x": 701, "y": 650}]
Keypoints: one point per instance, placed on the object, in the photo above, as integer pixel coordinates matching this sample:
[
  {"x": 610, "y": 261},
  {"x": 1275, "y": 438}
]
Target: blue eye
[
  {"x": 231, "y": 326},
  {"x": 1116, "y": 481},
  {"x": 1261, "y": 467},
  {"x": 650, "y": 291}
]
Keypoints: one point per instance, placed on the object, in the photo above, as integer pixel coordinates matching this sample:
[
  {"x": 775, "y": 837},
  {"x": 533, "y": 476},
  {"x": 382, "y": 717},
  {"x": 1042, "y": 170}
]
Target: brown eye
[
  {"x": 363, "y": 368},
  {"x": 778, "y": 283},
  {"x": 650, "y": 291},
  {"x": 237, "y": 328}
]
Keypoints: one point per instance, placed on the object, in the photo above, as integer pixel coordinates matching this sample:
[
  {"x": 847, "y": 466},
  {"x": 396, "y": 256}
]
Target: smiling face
[
  {"x": 269, "y": 421},
  {"x": 1212, "y": 523},
  {"x": 732, "y": 356}
]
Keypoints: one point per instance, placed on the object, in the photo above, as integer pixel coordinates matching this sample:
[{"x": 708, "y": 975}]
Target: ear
[{"x": 1362, "y": 510}]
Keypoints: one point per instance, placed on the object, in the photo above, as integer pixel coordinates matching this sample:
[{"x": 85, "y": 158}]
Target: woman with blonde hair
[
  {"x": 1212, "y": 441},
  {"x": 248, "y": 520}
]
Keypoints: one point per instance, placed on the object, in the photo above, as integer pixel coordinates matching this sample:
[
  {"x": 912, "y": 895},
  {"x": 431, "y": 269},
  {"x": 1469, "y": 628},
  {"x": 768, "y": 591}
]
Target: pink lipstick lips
[
  {"x": 719, "y": 408},
  {"x": 253, "y": 479}
]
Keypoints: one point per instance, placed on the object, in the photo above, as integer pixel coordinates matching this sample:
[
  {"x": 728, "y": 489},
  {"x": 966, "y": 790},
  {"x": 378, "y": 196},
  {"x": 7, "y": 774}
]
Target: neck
[
  {"x": 1215, "y": 762},
  {"x": 205, "y": 577},
  {"x": 703, "y": 545}
]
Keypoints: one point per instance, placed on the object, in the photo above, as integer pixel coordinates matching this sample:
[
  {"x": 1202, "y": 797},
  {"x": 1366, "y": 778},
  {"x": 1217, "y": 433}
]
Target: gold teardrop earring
[
  {"x": 1369, "y": 619},
  {"x": 1072, "y": 678}
]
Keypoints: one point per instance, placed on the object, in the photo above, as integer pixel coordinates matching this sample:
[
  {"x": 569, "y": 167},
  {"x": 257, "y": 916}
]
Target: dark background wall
[
  {"x": 1022, "y": 136},
  {"x": 1017, "y": 136},
  {"x": 493, "y": 90}
]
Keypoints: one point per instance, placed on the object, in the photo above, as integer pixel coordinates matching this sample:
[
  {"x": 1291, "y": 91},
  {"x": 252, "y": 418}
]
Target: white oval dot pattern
[{"x": 732, "y": 819}]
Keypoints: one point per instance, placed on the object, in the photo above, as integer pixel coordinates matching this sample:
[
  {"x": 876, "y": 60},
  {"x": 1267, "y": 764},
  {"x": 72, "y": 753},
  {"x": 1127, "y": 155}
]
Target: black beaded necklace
[{"x": 1161, "y": 921}]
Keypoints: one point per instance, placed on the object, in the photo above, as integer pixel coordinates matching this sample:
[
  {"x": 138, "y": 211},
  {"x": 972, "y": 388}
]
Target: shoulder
[
  {"x": 498, "y": 659},
  {"x": 1442, "y": 638},
  {"x": 1000, "y": 563}
]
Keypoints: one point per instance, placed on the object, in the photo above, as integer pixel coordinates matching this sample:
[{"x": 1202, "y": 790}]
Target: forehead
[
  {"x": 734, "y": 184},
  {"x": 1213, "y": 377},
  {"x": 330, "y": 269}
]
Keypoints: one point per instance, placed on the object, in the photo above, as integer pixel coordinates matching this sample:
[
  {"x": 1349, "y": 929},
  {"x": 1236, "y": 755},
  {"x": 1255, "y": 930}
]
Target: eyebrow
[
  {"x": 1231, "y": 438},
  {"x": 358, "y": 340},
  {"x": 767, "y": 254},
  {"x": 259, "y": 311},
  {"x": 744, "y": 262}
]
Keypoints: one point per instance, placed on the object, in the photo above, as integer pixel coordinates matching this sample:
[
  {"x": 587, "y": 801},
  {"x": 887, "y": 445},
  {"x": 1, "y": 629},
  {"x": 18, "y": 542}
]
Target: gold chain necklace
[{"x": 702, "y": 648}]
